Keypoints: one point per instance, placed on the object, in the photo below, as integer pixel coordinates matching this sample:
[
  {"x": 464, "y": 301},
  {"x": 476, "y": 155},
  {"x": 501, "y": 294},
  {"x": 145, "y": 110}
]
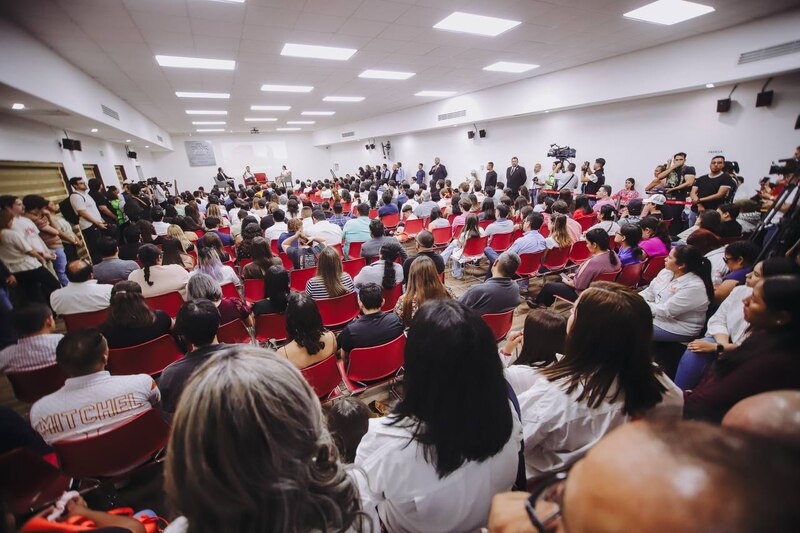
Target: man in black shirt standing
[
  {"x": 491, "y": 176},
  {"x": 710, "y": 190},
  {"x": 516, "y": 177},
  {"x": 594, "y": 180},
  {"x": 677, "y": 180},
  {"x": 438, "y": 171}
]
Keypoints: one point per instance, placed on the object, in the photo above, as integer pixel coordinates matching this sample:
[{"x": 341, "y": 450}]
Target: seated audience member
[
  {"x": 148, "y": 232},
  {"x": 488, "y": 210},
  {"x": 679, "y": 295},
  {"x": 583, "y": 209},
  {"x": 705, "y": 237},
  {"x": 327, "y": 231},
  {"x": 540, "y": 342},
  {"x": 303, "y": 251},
  {"x": 634, "y": 213},
  {"x": 160, "y": 226},
  {"x": 244, "y": 248},
  {"x": 385, "y": 272},
  {"x": 348, "y": 422},
  {"x": 309, "y": 341},
  {"x": 339, "y": 217},
  {"x": 212, "y": 240},
  {"x": 130, "y": 321},
  {"x": 498, "y": 293},
  {"x": 372, "y": 247},
  {"x": 423, "y": 243},
  {"x": 278, "y": 228},
  {"x": 187, "y": 238},
  {"x": 330, "y": 281},
  {"x": 629, "y": 482},
  {"x": 208, "y": 262},
  {"x": 357, "y": 229},
  {"x": 628, "y": 193},
  {"x": 437, "y": 220},
  {"x": 559, "y": 236},
  {"x": 214, "y": 211},
  {"x": 36, "y": 342},
  {"x": 739, "y": 258},
  {"x": 197, "y": 323},
  {"x": 388, "y": 207},
  {"x": 770, "y": 414},
  {"x": 607, "y": 215},
  {"x": 597, "y": 385},
  {"x": 531, "y": 241},
  {"x": 80, "y": 409},
  {"x": 423, "y": 285},
  {"x": 291, "y": 480},
  {"x": 373, "y": 327},
  {"x": 112, "y": 268},
  {"x": 603, "y": 198},
  {"x": 276, "y": 292},
  {"x": 212, "y": 224},
  {"x": 156, "y": 279},
  {"x": 261, "y": 253},
  {"x": 653, "y": 205},
  {"x": 570, "y": 287},
  {"x": 501, "y": 225},
  {"x": 83, "y": 294},
  {"x": 204, "y": 287},
  {"x": 292, "y": 228},
  {"x": 766, "y": 360},
  {"x": 173, "y": 254},
  {"x": 729, "y": 227},
  {"x": 430, "y": 434},
  {"x": 423, "y": 210},
  {"x": 573, "y": 226},
  {"x": 129, "y": 251},
  {"x": 655, "y": 238},
  {"x": 455, "y": 250},
  {"x": 628, "y": 239}
]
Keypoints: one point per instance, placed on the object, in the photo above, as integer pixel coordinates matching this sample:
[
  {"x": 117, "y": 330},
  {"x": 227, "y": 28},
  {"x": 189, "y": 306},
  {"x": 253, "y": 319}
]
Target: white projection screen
[{"x": 262, "y": 156}]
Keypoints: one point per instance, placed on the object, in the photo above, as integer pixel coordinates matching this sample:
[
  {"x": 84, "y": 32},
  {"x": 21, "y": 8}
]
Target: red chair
[
  {"x": 170, "y": 303},
  {"x": 414, "y": 226},
  {"x": 31, "y": 385},
  {"x": 391, "y": 296},
  {"x": 336, "y": 312},
  {"x": 653, "y": 266},
  {"x": 253, "y": 290},
  {"x": 390, "y": 222},
  {"x": 530, "y": 263},
  {"x": 556, "y": 258},
  {"x": 501, "y": 241},
  {"x": 607, "y": 276},
  {"x": 455, "y": 231},
  {"x": 271, "y": 327},
  {"x": 287, "y": 263},
  {"x": 147, "y": 358},
  {"x": 244, "y": 262},
  {"x": 451, "y": 217},
  {"x": 373, "y": 213},
  {"x": 373, "y": 366},
  {"x": 28, "y": 481},
  {"x": 630, "y": 274},
  {"x": 226, "y": 230},
  {"x": 78, "y": 321},
  {"x": 354, "y": 266},
  {"x": 441, "y": 277},
  {"x": 230, "y": 252},
  {"x": 299, "y": 278},
  {"x": 499, "y": 323},
  {"x": 579, "y": 253},
  {"x": 117, "y": 452},
  {"x": 354, "y": 252},
  {"x": 587, "y": 222},
  {"x": 229, "y": 291},
  {"x": 485, "y": 223},
  {"x": 667, "y": 222},
  {"x": 261, "y": 177},
  {"x": 441, "y": 237},
  {"x": 324, "y": 378},
  {"x": 544, "y": 231},
  {"x": 234, "y": 332},
  {"x": 273, "y": 244},
  {"x": 338, "y": 248},
  {"x": 474, "y": 247},
  {"x": 199, "y": 233},
  {"x": 346, "y": 207}
]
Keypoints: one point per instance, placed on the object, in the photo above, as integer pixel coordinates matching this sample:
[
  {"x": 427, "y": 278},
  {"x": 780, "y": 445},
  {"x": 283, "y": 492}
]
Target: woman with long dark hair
[
  {"x": 455, "y": 250},
  {"x": 309, "y": 341},
  {"x": 331, "y": 281},
  {"x": 212, "y": 240},
  {"x": 655, "y": 238},
  {"x": 276, "y": 292},
  {"x": 130, "y": 321},
  {"x": 424, "y": 284},
  {"x": 244, "y": 250},
  {"x": 174, "y": 253},
  {"x": 599, "y": 384},
  {"x": 445, "y": 432},
  {"x": 261, "y": 252},
  {"x": 628, "y": 239},
  {"x": 155, "y": 278},
  {"x": 385, "y": 272},
  {"x": 539, "y": 342},
  {"x": 583, "y": 209}
]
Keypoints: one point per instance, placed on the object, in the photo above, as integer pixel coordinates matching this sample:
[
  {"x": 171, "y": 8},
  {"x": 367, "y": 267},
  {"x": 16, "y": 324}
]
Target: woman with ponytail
[
  {"x": 384, "y": 272},
  {"x": 130, "y": 321},
  {"x": 156, "y": 279},
  {"x": 628, "y": 239},
  {"x": 679, "y": 295},
  {"x": 655, "y": 238}
]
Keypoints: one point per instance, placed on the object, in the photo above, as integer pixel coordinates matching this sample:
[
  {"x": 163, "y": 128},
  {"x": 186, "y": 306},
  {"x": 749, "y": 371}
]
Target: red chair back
[
  {"x": 499, "y": 323},
  {"x": 31, "y": 385},
  {"x": 324, "y": 378},
  {"x": 354, "y": 252},
  {"x": 414, "y": 226},
  {"x": 354, "y": 266},
  {"x": 337, "y": 312},
  {"x": 78, "y": 321},
  {"x": 501, "y": 241},
  {"x": 607, "y": 276},
  {"x": 475, "y": 246},
  {"x": 451, "y": 217},
  {"x": 579, "y": 253},
  {"x": 391, "y": 296},
  {"x": 234, "y": 332},
  {"x": 338, "y": 248},
  {"x": 456, "y": 230},
  {"x": 170, "y": 303},
  {"x": 273, "y": 244},
  {"x": 667, "y": 222},
  {"x": 244, "y": 262},
  {"x": 116, "y": 452},
  {"x": 530, "y": 263},
  {"x": 28, "y": 481},
  {"x": 442, "y": 236},
  {"x": 271, "y": 326},
  {"x": 653, "y": 266},
  {"x": 485, "y": 223},
  {"x": 226, "y": 230},
  {"x": 369, "y": 366},
  {"x": 229, "y": 291},
  {"x": 544, "y": 231},
  {"x": 253, "y": 290},
  {"x": 630, "y": 275},
  {"x": 373, "y": 213},
  {"x": 299, "y": 278},
  {"x": 587, "y": 222},
  {"x": 147, "y": 358},
  {"x": 287, "y": 263},
  {"x": 261, "y": 177},
  {"x": 390, "y": 221},
  {"x": 556, "y": 258}
]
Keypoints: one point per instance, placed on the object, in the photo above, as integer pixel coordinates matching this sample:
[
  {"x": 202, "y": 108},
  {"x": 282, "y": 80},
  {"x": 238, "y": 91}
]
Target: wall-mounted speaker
[
  {"x": 71, "y": 144},
  {"x": 724, "y": 105},
  {"x": 132, "y": 155},
  {"x": 482, "y": 133},
  {"x": 764, "y": 98},
  {"x": 470, "y": 134}
]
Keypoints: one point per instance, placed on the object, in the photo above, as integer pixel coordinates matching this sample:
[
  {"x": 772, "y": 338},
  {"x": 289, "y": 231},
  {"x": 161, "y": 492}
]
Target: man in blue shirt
[
  {"x": 339, "y": 217},
  {"x": 420, "y": 174},
  {"x": 531, "y": 242},
  {"x": 388, "y": 207},
  {"x": 357, "y": 229},
  {"x": 211, "y": 225}
]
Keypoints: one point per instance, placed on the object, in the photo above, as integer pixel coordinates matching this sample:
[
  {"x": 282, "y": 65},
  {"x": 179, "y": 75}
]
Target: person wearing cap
[{"x": 652, "y": 206}]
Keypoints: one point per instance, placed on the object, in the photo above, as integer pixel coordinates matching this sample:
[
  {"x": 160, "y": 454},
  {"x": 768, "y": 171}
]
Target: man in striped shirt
[{"x": 36, "y": 347}]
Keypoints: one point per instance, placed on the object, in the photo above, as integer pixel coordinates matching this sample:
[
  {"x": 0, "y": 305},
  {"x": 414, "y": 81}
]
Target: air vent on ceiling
[
  {"x": 160, "y": 138},
  {"x": 110, "y": 112},
  {"x": 770, "y": 52},
  {"x": 454, "y": 114},
  {"x": 348, "y": 134},
  {"x": 47, "y": 113}
]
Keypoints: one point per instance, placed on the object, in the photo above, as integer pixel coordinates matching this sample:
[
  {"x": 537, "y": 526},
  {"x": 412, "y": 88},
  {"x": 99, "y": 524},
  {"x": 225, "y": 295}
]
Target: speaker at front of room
[
  {"x": 764, "y": 98},
  {"x": 71, "y": 144},
  {"x": 724, "y": 105}
]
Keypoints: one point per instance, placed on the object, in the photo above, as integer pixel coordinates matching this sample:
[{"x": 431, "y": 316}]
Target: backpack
[{"x": 67, "y": 211}]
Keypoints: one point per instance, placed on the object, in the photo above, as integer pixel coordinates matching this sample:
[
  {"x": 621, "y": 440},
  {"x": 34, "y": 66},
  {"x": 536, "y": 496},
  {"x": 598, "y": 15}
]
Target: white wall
[
  {"x": 26, "y": 140},
  {"x": 632, "y": 136},
  {"x": 264, "y": 153}
]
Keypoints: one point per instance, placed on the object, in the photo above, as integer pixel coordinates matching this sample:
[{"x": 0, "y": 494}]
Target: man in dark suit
[
  {"x": 516, "y": 177},
  {"x": 491, "y": 176},
  {"x": 222, "y": 179},
  {"x": 438, "y": 172}
]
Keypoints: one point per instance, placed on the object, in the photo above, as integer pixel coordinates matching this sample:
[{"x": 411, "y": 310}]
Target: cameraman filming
[
  {"x": 566, "y": 180},
  {"x": 676, "y": 182},
  {"x": 592, "y": 181}
]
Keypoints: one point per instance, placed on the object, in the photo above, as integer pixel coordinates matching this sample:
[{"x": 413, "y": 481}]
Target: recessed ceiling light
[
  {"x": 287, "y": 129},
  {"x": 127, "y": 140},
  {"x": 147, "y": 146},
  {"x": 477, "y": 24},
  {"x": 435, "y": 93},
  {"x": 385, "y": 74},
  {"x": 508, "y": 66},
  {"x": 95, "y": 130},
  {"x": 301, "y": 122},
  {"x": 317, "y": 52},
  {"x": 209, "y": 123},
  {"x": 343, "y": 99},
  {"x": 196, "y": 62},
  {"x": 181, "y": 94},
  {"x": 229, "y": 1},
  {"x": 18, "y": 106},
  {"x": 709, "y": 85},
  {"x": 264, "y": 119},
  {"x": 270, "y": 107},
  {"x": 318, "y": 113},
  {"x": 668, "y": 12},
  {"x": 205, "y": 112},
  {"x": 210, "y": 129},
  {"x": 287, "y": 88}
]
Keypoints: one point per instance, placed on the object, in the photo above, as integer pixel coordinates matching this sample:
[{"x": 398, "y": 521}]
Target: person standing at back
[
  {"x": 595, "y": 178},
  {"x": 710, "y": 190},
  {"x": 438, "y": 171},
  {"x": 89, "y": 218},
  {"x": 491, "y": 175},
  {"x": 516, "y": 177}
]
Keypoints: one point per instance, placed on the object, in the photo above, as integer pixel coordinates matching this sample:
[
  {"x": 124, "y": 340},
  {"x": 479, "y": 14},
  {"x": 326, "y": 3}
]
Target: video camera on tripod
[{"x": 562, "y": 153}]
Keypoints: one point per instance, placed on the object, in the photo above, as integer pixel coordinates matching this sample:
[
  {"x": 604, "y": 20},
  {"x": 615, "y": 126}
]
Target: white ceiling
[{"x": 115, "y": 41}]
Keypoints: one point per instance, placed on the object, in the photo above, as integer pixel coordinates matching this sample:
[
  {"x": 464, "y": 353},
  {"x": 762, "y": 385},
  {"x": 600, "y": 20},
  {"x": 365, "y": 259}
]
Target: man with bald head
[
  {"x": 665, "y": 477},
  {"x": 775, "y": 415},
  {"x": 83, "y": 294}
]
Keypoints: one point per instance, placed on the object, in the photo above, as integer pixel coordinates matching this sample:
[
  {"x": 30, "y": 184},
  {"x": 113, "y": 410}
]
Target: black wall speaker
[
  {"x": 797, "y": 123},
  {"x": 470, "y": 134},
  {"x": 482, "y": 133},
  {"x": 132, "y": 155},
  {"x": 764, "y": 98},
  {"x": 71, "y": 144},
  {"x": 724, "y": 105}
]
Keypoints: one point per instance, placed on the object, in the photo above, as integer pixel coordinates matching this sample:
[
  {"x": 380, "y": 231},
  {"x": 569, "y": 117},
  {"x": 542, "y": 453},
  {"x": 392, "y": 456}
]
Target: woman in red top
[{"x": 583, "y": 210}]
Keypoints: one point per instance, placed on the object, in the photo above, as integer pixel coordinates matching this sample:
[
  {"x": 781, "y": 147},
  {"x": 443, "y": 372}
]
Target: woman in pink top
[
  {"x": 655, "y": 239},
  {"x": 628, "y": 193}
]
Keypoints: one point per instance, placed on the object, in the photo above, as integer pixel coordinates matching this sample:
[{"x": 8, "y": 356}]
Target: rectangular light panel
[
  {"x": 386, "y": 74},
  {"x": 181, "y": 94},
  {"x": 205, "y": 112},
  {"x": 435, "y": 93},
  {"x": 318, "y": 113},
  {"x": 669, "y": 12},
  {"x": 201, "y": 130},
  {"x": 209, "y": 123},
  {"x": 298, "y": 122},
  {"x": 287, "y": 88},
  {"x": 265, "y": 119},
  {"x": 317, "y": 52},
  {"x": 508, "y": 66},
  {"x": 270, "y": 107},
  {"x": 196, "y": 62},
  {"x": 343, "y": 99},
  {"x": 476, "y": 24},
  {"x": 287, "y": 129}
]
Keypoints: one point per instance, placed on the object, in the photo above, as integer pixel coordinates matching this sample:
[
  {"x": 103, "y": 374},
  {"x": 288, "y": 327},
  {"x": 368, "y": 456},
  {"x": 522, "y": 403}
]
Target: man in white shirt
[
  {"x": 537, "y": 178},
  {"x": 278, "y": 228},
  {"x": 248, "y": 177},
  {"x": 36, "y": 346},
  {"x": 92, "y": 401},
  {"x": 305, "y": 215},
  {"x": 567, "y": 180},
  {"x": 25, "y": 226},
  {"x": 401, "y": 174},
  {"x": 158, "y": 222},
  {"x": 330, "y": 233},
  {"x": 83, "y": 294},
  {"x": 90, "y": 221}
]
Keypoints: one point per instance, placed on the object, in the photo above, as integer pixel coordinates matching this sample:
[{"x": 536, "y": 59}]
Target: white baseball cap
[{"x": 658, "y": 199}]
